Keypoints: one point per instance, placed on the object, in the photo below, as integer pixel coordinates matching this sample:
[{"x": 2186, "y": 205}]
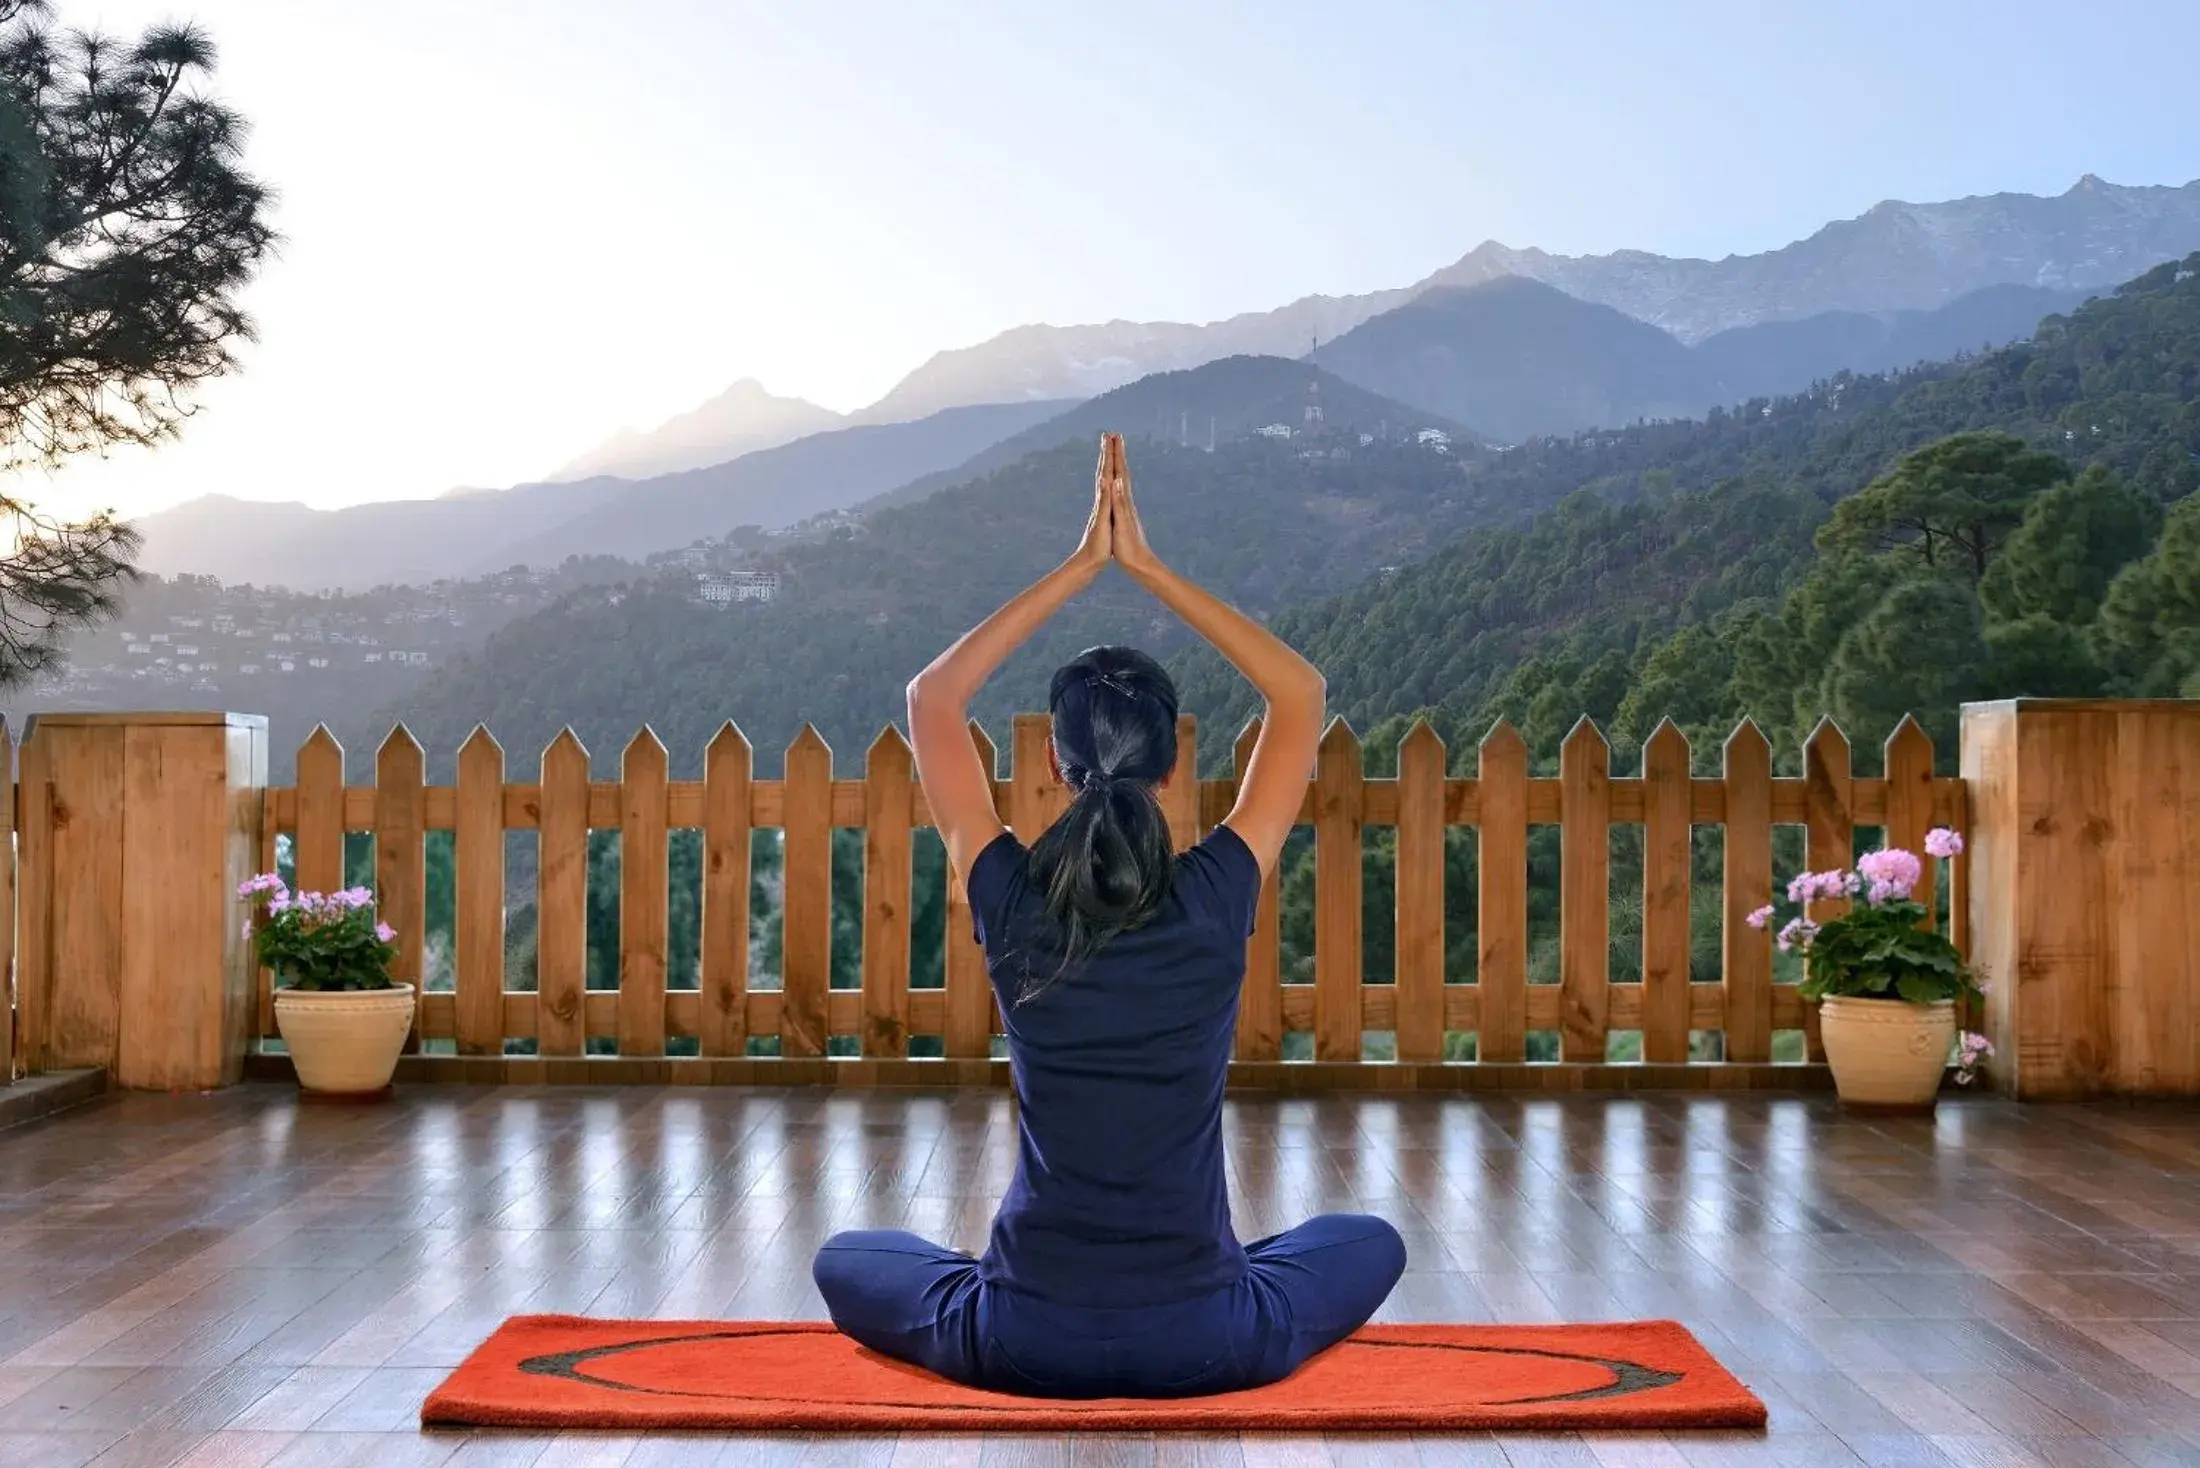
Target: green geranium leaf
[{"x": 1918, "y": 990}]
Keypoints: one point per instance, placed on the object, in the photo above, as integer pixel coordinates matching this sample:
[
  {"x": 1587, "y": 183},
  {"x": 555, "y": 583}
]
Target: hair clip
[{"x": 1108, "y": 680}]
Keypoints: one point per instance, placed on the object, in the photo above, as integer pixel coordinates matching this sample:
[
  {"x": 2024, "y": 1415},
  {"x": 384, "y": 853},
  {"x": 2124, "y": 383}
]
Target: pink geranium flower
[
  {"x": 1797, "y": 934},
  {"x": 1892, "y": 873}
]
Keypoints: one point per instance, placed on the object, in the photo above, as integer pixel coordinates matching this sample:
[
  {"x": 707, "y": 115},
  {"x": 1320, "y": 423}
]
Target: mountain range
[
  {"x": 1510, "y": 344},
  {"x": 1895, "y": 259},
  {"x": 1896, "y": 256},
  {"x": 399, "y": 542},
  {"x": 1507, "y": 360},
  {"x": 1519, "y": 359}
]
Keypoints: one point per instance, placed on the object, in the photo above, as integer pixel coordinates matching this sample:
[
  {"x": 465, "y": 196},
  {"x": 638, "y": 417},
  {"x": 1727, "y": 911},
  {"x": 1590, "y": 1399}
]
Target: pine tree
[
  {"x": 2149, "y": 628},
  {"x": 2073, "y": 540},
  {"x": 126, "y": 228},
  {"x": 1950, "y": 505}
]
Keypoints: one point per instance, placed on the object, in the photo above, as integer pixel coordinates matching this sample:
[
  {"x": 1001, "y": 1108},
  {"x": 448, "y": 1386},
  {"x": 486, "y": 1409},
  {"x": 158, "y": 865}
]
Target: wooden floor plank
[{"x": 233, "y": 1281}]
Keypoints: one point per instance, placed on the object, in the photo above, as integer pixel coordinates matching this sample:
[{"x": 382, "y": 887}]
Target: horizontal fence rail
[{"x": 728, "y": 1015}]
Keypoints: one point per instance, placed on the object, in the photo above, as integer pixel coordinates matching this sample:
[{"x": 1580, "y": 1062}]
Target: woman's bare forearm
[
  {"x": 956, "y": 675},
  {"x": 1270, "y": 664}
]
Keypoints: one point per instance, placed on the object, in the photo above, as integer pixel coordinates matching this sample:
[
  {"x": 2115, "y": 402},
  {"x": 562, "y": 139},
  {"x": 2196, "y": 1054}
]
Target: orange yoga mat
[{"x": 552, "y": 1371}]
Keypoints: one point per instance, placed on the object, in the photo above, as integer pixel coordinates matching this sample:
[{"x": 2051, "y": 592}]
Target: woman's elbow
[
  {"x": 1310, "y": 688},
  {"x": 925, "y": 692}
]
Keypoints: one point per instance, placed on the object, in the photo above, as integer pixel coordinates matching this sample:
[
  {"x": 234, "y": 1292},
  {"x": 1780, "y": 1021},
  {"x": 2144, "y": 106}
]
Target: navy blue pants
[{"x": 1303, "y": 1291}]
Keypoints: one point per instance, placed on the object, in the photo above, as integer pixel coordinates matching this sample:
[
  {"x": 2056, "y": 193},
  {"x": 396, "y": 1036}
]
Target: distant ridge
[
  {"x": 1896, "y": 256},
  {"x": 1522, "y": 359},
  {"x": 1223, "y": 400},
  {"x": 419, "y": 541}
]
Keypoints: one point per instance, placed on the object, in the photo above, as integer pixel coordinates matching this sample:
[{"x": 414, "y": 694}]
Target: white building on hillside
[{"x": 724, "y": 588}]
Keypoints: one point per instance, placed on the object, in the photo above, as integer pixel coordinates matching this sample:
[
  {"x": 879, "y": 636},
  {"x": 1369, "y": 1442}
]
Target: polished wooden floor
[{"x": 237, "y": 1281}]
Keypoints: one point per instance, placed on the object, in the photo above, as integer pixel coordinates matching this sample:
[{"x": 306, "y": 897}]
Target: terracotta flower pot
[
  {"x": 1887, "y": 1052},
  {"x": 344, "y": 1041}
]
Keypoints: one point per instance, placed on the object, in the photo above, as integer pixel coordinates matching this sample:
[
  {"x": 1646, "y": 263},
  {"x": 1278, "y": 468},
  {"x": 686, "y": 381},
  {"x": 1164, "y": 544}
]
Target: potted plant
[
  {"x": 1885, "y": 984},
  {"x": 341, "y": 1016}
]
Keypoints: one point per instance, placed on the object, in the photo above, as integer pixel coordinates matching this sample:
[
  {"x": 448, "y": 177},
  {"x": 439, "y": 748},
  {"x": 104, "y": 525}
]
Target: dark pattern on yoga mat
[{"x": 563, "y": 1371}]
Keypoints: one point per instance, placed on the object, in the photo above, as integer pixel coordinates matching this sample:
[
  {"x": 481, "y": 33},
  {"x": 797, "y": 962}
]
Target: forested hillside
[
  {"x": 1697, "y": 573},
  {"x": 1216, "y": 404},
  {"x": 2023, "y": 525},
  {"x": 860, "y": 610}
]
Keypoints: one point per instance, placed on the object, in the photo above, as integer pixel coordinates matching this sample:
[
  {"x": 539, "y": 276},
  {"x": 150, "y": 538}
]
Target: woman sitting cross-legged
[{"x": 1113, "y": 1269}]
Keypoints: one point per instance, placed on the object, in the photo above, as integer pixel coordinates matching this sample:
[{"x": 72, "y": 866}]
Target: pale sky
[{"x": 513, "y": 226}]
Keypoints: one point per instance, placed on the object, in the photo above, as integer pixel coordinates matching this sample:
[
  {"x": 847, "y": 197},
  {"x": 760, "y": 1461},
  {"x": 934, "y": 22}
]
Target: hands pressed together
[{"x": 1113, "y": 532}]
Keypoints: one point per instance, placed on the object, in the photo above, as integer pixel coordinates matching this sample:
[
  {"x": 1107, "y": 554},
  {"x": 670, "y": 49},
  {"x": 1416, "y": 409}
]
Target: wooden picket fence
[{"x": 1501, "y": 801}]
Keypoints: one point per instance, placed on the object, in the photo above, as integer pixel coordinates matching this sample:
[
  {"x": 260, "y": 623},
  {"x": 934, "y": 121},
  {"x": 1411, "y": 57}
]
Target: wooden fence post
[
  {"x": 1667, "y": 834},
  {"x": 1419, "y": 920},
  {"x": 1585, "y": 893},
  {"x": 1338, "y": 821},
  {"x": 141, "y": 964},
  {"x": 561, "y": 901},
  {"x": 889, "y": 778},
  {"x": 644, "y": 896},
  {"x": 11, "y": 1013},
  {"x": 401, "y": 857},
  {"x": 1829, "y": 833},
  {"x": 727, "y": 766},
  {"x": 969, "y": 995},
  {"x": 806, "y": 914},
  {"x": 1501, "y": 966},
  {"x": 2084, "y": 893},
  {"x": 1746, "y": 886},
  {"x": 478, "y": 915},
  {"x": 1260, "y": 1010}
]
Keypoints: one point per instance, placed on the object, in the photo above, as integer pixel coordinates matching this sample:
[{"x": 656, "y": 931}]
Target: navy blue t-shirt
[{"x": 1119, "y": 1197}]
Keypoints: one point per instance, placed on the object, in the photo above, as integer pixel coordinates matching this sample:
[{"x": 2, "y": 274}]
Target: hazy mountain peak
[
  {"x": 749, "y": 393},
  {"x": 740, "y": 419},
  {"x": 1518, "y": 358}
]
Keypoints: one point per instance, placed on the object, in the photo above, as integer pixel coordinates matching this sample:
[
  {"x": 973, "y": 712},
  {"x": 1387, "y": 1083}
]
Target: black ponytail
[{"x": 1104, "y": 868}]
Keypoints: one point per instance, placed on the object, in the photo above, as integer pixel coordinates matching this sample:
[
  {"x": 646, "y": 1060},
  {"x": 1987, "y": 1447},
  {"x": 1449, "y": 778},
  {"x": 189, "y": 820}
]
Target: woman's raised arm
[
  {"x": 957, "y": 785},
  {"x": 1291, "y": 727}
]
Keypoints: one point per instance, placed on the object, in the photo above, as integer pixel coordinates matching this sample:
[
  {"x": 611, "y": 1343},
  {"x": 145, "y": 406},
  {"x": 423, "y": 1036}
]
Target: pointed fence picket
[
  {"x": 478, "y": 904},
  {"x": 726, "y": 1018}
]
